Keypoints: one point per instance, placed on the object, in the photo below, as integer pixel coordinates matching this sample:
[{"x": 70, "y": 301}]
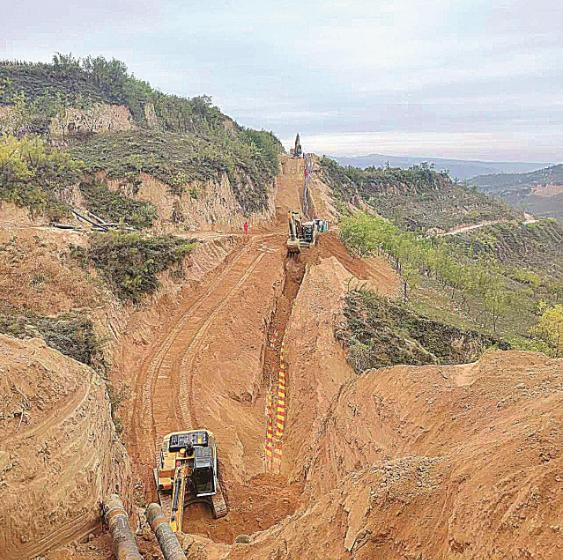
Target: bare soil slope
[
  {"x": 428, "y": 462},
  {"x": 59, "y": 453}
]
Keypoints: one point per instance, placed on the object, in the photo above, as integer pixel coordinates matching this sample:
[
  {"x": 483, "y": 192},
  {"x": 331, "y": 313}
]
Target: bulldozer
[
  {"x": 303, "y": 234},
  {"x": 187, "y": 472}
]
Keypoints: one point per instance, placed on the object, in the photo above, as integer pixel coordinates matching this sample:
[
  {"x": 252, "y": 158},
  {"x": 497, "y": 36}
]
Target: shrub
[
  {"x": 178, "y": 159},
  {"x": 379, "y": 333},
  {"x": 35, "y": 175},
  {"x": 130, "y": 262},
  {"x": 70, "y": 334}
]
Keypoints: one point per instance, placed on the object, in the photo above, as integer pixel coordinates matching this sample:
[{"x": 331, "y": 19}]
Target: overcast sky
[{"x": 467, "y": 79}]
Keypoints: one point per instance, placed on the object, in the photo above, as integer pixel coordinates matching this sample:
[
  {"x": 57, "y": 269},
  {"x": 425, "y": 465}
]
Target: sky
[{"x": 468, "y": 79}]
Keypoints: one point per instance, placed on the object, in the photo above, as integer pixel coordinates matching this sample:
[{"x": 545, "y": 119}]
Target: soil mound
[
  {"x": 435, "y": 462},
  {"x": 59, "y": 453}
]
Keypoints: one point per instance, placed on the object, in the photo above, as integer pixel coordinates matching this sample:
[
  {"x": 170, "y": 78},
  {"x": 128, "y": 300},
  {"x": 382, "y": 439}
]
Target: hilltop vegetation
[
  {"x": 178, "y": 159},
  {"x": 76, "y": 82},
  {"x": 415, "y": 198},
  {"x": 175, "y": 139}
]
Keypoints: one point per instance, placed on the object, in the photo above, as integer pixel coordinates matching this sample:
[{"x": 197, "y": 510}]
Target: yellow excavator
[
  {"x": 187, "y": 472},
  {"x": 303, "y": 234}
]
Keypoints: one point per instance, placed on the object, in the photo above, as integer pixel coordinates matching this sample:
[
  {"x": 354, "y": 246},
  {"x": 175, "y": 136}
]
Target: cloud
[{"x": 468, "y": 69}]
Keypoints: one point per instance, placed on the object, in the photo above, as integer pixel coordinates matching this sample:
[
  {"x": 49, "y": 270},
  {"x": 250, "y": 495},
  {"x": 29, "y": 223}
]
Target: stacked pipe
[
  {"x": 166, "y": 538},
  {"x": 124, "y": 544}
]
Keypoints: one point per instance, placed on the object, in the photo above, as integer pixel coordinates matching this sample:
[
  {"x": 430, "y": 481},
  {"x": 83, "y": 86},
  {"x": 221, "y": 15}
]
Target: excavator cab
[
  {"x": 303, "y": 234},
  {"x": 203, "y": 475},
  {"x": 187, "y": 472}
]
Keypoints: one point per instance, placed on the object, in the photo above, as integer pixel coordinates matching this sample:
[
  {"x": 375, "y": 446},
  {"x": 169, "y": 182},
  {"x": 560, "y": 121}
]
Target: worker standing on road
[{"x": 245, "y": 228}]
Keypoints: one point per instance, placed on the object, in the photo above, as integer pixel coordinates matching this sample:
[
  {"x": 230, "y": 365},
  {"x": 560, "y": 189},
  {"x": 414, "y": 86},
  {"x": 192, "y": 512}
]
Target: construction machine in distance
[
  {"x": 187, "y": 472},
  {"x": 303, "y": 234}
]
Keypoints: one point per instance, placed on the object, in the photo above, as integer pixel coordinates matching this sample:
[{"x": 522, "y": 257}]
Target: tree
[
  {"x": 497, "y": 300},
  {"x": 550, "y": 328}
]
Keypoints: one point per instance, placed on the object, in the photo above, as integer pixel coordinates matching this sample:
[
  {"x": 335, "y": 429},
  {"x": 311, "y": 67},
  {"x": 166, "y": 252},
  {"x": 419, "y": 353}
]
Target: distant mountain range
[
  {"x": 539, "y": 192},
  {"x": 458, "y": 168}
]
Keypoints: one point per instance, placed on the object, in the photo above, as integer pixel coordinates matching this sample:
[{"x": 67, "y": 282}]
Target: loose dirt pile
[
  {"x": 434, "y": 462},
  {"x": 59, "y": 453}
]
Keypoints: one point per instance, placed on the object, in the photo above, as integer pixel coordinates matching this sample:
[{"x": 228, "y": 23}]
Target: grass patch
[
  {"x": 112, "y": 206},
  {"x": 130, "y": 262},
  {"x": 381, "y": 333}
]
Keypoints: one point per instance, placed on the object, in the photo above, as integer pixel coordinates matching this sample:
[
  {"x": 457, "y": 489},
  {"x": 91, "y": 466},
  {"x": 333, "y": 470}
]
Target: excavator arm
[
  {"x": 293, "y": 245},
  {"x": 178, "y": 496}
]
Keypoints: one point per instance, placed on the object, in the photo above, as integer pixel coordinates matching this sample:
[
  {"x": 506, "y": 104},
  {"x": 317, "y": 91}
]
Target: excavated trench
[
  {"x": 257, "y": 495},
  {"x": 275, "y": 374}
]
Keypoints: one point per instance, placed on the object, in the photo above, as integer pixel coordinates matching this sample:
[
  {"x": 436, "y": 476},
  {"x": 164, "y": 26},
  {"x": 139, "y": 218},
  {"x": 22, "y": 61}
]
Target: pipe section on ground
[
  {"x": 166, "y": 537},
  {"x": 124, "y": 544}
]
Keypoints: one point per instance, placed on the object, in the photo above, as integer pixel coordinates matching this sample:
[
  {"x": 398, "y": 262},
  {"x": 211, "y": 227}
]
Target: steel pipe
[
  {"x": 167, "y": 539},
  {"x": 124, "y": 544}
]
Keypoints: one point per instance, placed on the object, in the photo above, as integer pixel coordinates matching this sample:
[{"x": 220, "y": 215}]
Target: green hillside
[
  {"x": 174, "y": 139},
  {"x": 517, "y": 181},
  {"x": 539, "y": 192},
  {"x": 415, "y": 198}
]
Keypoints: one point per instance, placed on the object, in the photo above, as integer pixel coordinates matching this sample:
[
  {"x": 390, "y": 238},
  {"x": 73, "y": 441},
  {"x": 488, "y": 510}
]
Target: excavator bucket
[{"x": 293, "y": 246}]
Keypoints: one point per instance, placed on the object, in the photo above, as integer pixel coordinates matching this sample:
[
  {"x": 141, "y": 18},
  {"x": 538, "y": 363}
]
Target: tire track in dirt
[
  {"x": 157, "y": 409},
  {"x": 185, "y": 407},
  {"x": 57, "y": 417},
  {"x": 142, "y": 404}
]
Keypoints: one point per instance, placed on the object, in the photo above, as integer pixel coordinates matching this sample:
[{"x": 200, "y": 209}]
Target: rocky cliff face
[{"x": 101, "y": 117}]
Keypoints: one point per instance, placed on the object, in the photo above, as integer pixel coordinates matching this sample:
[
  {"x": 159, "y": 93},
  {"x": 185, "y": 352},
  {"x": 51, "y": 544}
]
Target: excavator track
[{"x": 218, "y": 504}]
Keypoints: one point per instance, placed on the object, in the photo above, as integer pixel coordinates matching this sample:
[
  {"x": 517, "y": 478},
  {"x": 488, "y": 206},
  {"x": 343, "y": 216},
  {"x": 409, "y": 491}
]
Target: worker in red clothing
[{"x": 245, "y": 228}]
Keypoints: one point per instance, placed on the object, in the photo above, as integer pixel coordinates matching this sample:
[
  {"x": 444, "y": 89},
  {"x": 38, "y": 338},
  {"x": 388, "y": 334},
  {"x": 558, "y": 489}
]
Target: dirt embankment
[
  {"x": 37, "y": 274},
  {"x": 417, "y": 462},
  {"x": 198, "y": 206},
  {"x": 59, "y": 453}
]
